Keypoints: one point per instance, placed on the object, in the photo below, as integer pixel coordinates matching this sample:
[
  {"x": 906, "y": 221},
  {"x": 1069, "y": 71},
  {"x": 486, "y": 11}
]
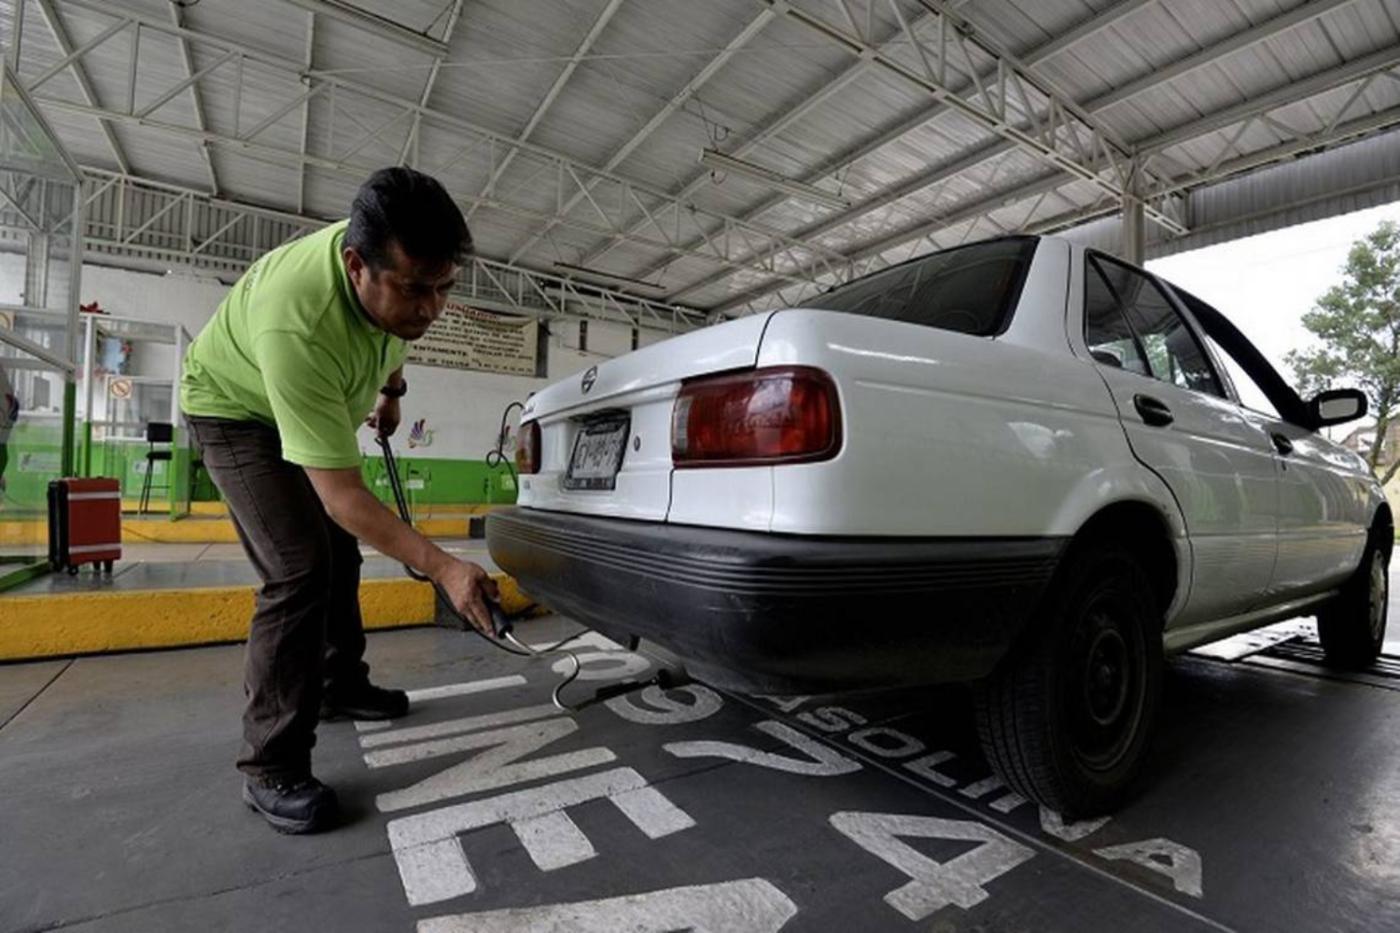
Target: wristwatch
[{"x": 391, "y": 392}]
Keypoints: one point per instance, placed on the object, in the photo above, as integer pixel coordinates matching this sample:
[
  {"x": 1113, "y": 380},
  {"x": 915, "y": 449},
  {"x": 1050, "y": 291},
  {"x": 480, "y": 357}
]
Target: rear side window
[
  {"x": 970, "y": 289},
  {"x": 1130, "y": 323}
]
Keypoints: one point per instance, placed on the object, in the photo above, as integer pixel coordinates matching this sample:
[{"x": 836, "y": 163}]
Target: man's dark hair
[{"x": 400, "y": 205}]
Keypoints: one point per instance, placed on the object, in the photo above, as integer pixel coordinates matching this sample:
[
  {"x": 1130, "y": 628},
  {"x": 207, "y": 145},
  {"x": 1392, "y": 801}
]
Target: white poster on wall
[{"x": 469, "y": 338}]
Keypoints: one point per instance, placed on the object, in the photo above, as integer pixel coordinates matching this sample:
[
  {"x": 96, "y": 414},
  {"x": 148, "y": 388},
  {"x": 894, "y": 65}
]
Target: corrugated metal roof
[{"x": 667, "y": 78}]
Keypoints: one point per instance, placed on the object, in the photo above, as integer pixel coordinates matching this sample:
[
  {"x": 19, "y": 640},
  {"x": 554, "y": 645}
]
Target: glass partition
[
  {"x": 40, "y": 261},
  {"x": 129, "y": 372}
]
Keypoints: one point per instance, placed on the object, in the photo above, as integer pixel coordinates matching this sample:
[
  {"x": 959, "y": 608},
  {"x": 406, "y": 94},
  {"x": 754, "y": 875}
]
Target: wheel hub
[
  {"x": 1380, "y": 594},
  {"x": 1106, "y": 677},
  {"x": 1109, "y": 682}
]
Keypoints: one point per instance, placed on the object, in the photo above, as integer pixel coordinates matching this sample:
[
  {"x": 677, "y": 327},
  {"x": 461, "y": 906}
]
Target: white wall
[{"x": 463, "y": 409}]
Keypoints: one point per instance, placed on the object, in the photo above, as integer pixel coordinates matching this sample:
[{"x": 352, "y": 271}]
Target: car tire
[
  {"x": 1352, "y": 627},
  {"x": 1067, "y": 718}
]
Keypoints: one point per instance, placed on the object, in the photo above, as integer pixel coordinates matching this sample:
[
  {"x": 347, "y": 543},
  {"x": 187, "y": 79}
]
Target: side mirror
[{"x": 1337, "y": 406}]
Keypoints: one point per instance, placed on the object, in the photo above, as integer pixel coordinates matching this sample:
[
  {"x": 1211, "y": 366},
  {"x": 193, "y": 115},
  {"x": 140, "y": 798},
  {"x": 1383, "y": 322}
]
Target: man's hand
[
  {"x": 468, "y": 587},
  {"x": 352, "y": 507},
  {"x": 385, "y": 417}
]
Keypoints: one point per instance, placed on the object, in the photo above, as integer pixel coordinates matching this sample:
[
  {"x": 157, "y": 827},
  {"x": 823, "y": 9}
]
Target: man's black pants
[{"x": 307, "y": 633}]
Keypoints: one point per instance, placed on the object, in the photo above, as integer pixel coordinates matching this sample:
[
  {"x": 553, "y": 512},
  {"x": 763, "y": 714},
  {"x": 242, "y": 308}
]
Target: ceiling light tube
[{"x": 720, "y": 162}]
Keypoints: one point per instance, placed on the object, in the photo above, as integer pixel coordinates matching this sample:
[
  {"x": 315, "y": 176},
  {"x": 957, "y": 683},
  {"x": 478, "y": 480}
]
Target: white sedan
[{"x": 1017, "y": 463}]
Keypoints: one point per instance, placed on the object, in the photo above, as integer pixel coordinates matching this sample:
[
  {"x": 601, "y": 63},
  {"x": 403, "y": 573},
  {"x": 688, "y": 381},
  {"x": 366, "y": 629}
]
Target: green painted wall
[
  {"x": 430, "y": 481},
  {"x": 34, "y": 457}
]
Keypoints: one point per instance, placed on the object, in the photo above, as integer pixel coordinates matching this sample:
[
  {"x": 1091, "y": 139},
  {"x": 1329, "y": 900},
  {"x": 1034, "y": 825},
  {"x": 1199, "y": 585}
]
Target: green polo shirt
[{"x": 291, "y": 346}]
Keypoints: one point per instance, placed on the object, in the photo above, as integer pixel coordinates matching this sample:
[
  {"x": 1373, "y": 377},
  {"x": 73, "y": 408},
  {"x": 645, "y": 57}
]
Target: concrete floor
[{"x": 1273, "y": 803}]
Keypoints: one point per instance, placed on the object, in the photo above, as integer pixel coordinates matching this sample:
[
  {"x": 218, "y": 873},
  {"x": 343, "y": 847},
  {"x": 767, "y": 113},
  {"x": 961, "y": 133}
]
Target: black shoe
[
  {"x": 363, "y": 701},
  {"x": 292, "y": 805}
]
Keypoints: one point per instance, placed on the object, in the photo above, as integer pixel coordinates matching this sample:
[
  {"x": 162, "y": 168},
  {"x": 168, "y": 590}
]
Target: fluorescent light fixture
[
  {"x": 720, "y": 162},
  {"x": 599, "y": 274},
  {"x": 373, "y": 22}
]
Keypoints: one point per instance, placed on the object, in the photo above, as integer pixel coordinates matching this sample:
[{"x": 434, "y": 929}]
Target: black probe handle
[{"x": 500, "y": 624}]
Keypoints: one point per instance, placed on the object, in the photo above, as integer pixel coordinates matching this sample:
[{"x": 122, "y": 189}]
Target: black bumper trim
[{"x": 782, "y": 612}]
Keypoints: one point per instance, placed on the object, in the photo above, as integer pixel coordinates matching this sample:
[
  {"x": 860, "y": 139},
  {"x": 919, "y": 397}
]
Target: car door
[
  {"x": 1323, "y": 503},
  {"x": 1182, "y": 425}
]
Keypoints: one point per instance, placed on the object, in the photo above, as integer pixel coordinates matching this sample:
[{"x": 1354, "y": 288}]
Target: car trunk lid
[{"x": 625, "y": 401}]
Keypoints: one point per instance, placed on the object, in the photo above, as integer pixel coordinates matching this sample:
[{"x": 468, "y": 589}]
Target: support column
[{"x": 1133, "y": 245}]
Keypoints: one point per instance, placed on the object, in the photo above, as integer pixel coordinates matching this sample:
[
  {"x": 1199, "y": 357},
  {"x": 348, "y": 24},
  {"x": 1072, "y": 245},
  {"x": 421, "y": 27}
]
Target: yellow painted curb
[
  {"x": 202, "y": 529},
  {"x": 162, "y": 530},
  {"x": 63, "y": 624},
  {"x": 160, "y": 508}
]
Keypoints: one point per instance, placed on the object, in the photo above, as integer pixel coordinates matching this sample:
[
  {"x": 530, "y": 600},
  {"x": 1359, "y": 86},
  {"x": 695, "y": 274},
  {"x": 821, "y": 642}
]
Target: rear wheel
[
  {"x": 1352, "y": 627},
  {"x": 1066, "y": 720}
]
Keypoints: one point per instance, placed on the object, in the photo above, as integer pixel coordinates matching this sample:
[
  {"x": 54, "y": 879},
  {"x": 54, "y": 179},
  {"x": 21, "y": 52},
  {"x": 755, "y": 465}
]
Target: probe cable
[{"x": 503, "y": 625}]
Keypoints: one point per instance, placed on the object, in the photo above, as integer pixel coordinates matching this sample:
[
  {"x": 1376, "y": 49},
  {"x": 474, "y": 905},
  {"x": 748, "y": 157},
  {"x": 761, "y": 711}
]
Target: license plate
[{"x": 597, "y": 455}]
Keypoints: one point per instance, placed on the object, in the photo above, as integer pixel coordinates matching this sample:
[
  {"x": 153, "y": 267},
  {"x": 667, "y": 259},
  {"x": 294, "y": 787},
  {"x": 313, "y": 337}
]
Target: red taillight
[
  {"x": 787, "y": 414},
  {"x": 527, "y": 448}
]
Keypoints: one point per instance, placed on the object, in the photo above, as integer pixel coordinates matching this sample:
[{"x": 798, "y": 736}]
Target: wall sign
[{"x": 469, "y": 338}]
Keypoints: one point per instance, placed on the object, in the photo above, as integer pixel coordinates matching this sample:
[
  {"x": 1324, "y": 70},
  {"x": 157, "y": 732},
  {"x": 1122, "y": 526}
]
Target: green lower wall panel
[
  {"x": 34, "y": 455},
  {"x": 442, "y": 482}
]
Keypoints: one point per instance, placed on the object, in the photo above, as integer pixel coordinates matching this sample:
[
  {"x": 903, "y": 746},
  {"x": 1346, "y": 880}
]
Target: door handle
[
  {"x": 1282, "y": 444},
  {"x": 1153, "y": 411}
]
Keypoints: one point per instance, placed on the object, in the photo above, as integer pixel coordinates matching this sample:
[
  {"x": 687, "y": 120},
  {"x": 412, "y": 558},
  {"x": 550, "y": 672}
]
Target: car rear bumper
[{"x": 781, "y": 613}]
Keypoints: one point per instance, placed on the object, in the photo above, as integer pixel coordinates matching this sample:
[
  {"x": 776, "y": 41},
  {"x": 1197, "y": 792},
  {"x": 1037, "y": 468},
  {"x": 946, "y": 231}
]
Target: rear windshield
[{"x": 969, "y": 289}]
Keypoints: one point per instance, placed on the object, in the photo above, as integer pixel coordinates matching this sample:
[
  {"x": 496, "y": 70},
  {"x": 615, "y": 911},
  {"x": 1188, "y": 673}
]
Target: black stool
[{"x": 157, "y": 432}]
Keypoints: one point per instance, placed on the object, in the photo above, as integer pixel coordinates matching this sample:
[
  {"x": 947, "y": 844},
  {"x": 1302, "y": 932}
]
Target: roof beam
[
  {"x": 1354, "y": 70},
  {"x": 65, "y": 45},
  {"x": 1321, "y": 83},
  {"x": 177, "y": 16},
  {"x": 754, "y": 27},
  {"x": 17, "y": 25},
  {"x": 374, "y": 23},
  {"x": 310, "y": 52},
  {"x": 1052, "y": 137},
  {"x": 914, "y": 184},
  {"x": 926, "y": 114},
  {"x": 1208, "y": 56},
  {"x": 767, "y": 248},
  {"x": 410, "y": 141},
  {"x": 717, "y": 249},
  {"x": 482, "y": 282},
  {"x": 584, "y": 46},
  {"x": 789, "y": 116}
]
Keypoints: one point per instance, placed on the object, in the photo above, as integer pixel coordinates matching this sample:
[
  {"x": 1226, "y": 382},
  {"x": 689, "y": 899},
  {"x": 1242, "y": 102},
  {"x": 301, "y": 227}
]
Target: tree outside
[{"x": 1357, "y": 326}]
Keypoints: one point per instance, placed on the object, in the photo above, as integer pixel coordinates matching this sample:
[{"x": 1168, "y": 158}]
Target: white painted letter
[
  {"x": 1179, "y": 863},
  {"x": 927, "y": 767},
  {"x": 705, "y": 703},
  {"x": 825, "y": 762},
  {"x": 425, "y": 694},
  {"x": 900, "y": 744},
  {"x": 454, "y": 726},
  {"x": 749, "y": 906},
  {"x": 1052, "y": 823},
  {"x": 604, "y": 665},
  {"x": 831, "y": 719},
  {"x": 497, "y": 766},
  {"x": 934, "y": 886},
  {"x": 784, "y": 704},
  {"x": 433, "y": 863}
]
